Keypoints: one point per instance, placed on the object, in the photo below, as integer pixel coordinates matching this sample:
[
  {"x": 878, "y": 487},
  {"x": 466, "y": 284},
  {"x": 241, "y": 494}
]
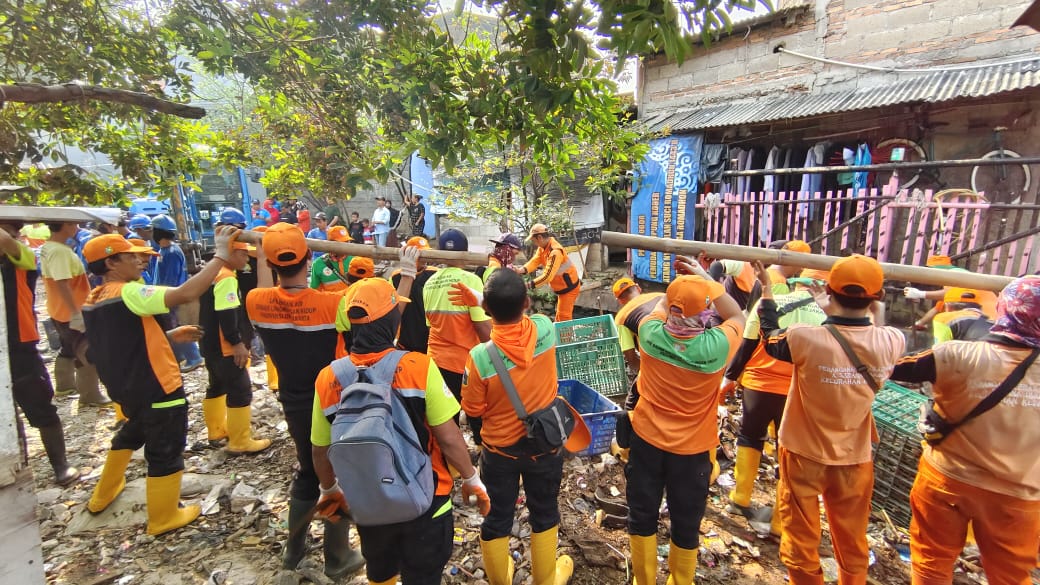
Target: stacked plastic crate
[{"x": 896, "y": 410}]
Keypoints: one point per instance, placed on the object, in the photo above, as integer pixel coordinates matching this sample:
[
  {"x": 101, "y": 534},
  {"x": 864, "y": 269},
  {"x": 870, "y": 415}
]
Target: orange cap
[
  {"x": 857, "y": 276},
  {"x": 101, "y": 247},
  {"x": 375, "y": 296},
  {"x": 284, "y": 244},
  {"x": 797, "y": 246},
  {"x": 580, "y": 437},
  {"x": 538, "y": 228},
  {"x": 938, "y": 260},
  {"x": 259, "y": 228},
  {"x": 956, "y": 294},
  {"x": 815, "y": 274},
  {"x": 338, "y": 233},
  {"x": 361, "y": 267},
  {"x": 419, "y": 242},
  {"x": 143, "y": 244},
  {"x": 692, "y": 294},
  {"x": 621, "y": 285}
]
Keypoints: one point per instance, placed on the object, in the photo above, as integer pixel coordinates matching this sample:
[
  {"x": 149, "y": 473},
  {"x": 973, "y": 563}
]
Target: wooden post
[
  {"x": 380, "y": 252},
  {"x": 899, "y": 272}
]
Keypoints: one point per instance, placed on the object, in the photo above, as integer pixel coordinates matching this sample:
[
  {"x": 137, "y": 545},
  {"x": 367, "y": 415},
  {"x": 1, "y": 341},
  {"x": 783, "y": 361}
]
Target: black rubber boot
[
  {"x": 300, "y": 513},
  {"x": 340, "y": 559},
  {"x": 53, "y": 439}
]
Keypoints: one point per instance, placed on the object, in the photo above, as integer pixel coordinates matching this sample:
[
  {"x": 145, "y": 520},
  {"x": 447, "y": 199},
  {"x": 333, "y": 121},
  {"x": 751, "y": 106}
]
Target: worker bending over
[{"x": 557, "y": 271}]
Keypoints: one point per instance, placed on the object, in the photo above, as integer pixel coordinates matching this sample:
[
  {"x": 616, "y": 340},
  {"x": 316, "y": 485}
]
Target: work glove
[
  {"x": 473, "y": 487},
  {"x": 409, "y": 261},
  {"x": 464, "y": 296},
  {"x": 223, "y": 236},
  {"x": 686, "y": 267},
  {"x": 725, "y": 389},
  {"x": 76, "y": 323},
  {"x": 332, "y": 505},
  {"x": 913, "y": 293}
]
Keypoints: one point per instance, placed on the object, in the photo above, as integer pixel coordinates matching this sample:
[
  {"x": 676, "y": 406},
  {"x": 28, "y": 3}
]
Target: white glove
[
  {"x": 409, "y": 261},
  {"x": 913, "y": 293},
  {"x": 700, "y": 271},
  {"x": 222, "y": 238},
  {"x": 472, "y": 488},
  {"x": 76, "y": 323}
]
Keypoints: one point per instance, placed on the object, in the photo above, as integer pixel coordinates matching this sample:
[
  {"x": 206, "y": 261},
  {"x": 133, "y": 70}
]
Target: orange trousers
[
  {"x": 565, "y": 305},
  {"x": 1006, "y": 530},
  {"x": 846, "y": 491}
]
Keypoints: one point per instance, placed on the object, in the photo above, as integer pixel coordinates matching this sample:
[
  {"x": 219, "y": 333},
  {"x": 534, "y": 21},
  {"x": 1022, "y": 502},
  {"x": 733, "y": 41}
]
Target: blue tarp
[{"x": 665, "y": 202}]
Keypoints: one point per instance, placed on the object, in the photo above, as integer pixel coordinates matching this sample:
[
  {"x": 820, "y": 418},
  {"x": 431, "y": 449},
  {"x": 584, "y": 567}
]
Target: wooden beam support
[
  {"x": 449, "y": 258},
  {"x": 897, "y": 272}
]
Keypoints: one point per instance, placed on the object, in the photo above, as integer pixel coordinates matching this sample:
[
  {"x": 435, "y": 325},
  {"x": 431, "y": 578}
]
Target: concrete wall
[{"x": 907, "y": 33}]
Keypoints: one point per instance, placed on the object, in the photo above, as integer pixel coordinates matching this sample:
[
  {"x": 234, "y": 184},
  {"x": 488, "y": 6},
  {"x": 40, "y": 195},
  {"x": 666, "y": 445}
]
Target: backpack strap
[
  {"x": 790, "y": 308},
  {"x": 345, "y": 371},
  {"x": 335, "y": 269},
  {"x": 1001, "y": 391},
  {"x": 506, "y": 379},
  {"x": 856, "y": 362},
  {"x": 382, "y": 372}
]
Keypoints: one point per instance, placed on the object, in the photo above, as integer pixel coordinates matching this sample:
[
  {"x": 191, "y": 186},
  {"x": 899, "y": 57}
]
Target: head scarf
[
  {"x": 504, "y": 254},
  {"x": 684, "y": 327},
  {"x": 1018, "y": 311},
  {"x": 376, "y": 336}
]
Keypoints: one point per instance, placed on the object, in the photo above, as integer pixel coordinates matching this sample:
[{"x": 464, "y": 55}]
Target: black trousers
[
  {"x": 760, "y": 409},
  {"x": 305, "y": 479},
  {"x": 227, "y": 379},
  {"x": 31, "y": 386},
  {"x": 73, "y": 343},
  {"x": 650, "y": 472},
  {"x": 163, "y": 432},
  {"x": 417, "y": 550},
  {"x": 453, "y": 380},
  {"x": 501, "y": 475}
]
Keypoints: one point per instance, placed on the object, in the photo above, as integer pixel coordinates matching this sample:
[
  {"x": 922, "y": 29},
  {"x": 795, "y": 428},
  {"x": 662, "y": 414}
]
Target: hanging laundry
[
  {"x": 859, "y": 178},
  {"x": 713, "y": 163},
  {"x": 812, "y": 184}
]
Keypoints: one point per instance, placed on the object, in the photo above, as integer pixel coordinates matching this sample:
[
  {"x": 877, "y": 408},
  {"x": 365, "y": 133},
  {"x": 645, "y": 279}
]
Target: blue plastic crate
[{"x": 599, "y": 413}]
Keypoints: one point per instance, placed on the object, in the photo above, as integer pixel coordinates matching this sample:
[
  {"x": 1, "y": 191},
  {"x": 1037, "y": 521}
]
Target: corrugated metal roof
[{"x": 939, "y": 86}]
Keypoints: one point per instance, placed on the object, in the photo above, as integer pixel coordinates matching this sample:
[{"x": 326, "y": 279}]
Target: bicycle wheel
[
  {"x": 1001, "y": 183},
  {"x": 912, "y": 152}
]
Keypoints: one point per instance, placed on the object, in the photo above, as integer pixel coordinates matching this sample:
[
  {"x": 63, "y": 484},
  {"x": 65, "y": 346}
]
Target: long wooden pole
[
  {"x": 900, "y": 272},
  {"x": 382, "y": 253}
]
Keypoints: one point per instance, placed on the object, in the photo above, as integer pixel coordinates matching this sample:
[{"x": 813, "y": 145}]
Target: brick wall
[{"x": 904, "y": 33}]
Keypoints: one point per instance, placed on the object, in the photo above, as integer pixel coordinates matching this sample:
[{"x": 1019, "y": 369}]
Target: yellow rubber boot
[
  {"x": 775, "y": 528},
  {"x": 498, "y": 564},
  {"x": 112, "y": 482},
  {"x": 644, "y": 559},
  {"x": 390, "y": 581},
  {"x": 272, "y": 374},
  {"x": 713, "y": 455},
  {"x": 744, "y": 474},
  {"x": 768, "y": 448},
  {"x": 164, "y": 510},
  {"x": 214, "y": 412},
  {"x": 546, "y": 569},
  {"x": 120, "y": 417},
  {"x": 682, "y": 565},
  {"x": 240, "y": 432}
]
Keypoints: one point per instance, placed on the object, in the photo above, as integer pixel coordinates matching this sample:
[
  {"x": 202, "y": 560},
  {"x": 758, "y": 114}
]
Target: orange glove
[
  {"x": 471, "y": 487},
  {"x": 332, "y": 505},
  {"x": 725, "y": 389},
  {"x": 464, "y": 296}
]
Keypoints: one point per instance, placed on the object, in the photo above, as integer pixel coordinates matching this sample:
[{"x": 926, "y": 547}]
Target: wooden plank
[
  {"x": 21, "y": 557},
  {"x": 28, "y": 213},
  {"x": 828, "y": 215},
  {"x": 381, "y": 253},
  {"x": 10, "y": 446},
  {"x": 919, "y": 274}
]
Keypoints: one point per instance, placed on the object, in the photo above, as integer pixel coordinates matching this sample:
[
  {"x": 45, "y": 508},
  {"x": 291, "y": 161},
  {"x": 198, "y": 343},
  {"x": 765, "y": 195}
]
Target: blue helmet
[
  {"x": 164, "y": 222},
  {"x": 231, "y": 216},
  {"x": 139, "y": 222}
]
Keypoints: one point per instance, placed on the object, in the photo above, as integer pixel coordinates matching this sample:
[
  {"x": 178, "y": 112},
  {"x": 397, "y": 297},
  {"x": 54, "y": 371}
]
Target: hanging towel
[{"x": 859, "y": 178}]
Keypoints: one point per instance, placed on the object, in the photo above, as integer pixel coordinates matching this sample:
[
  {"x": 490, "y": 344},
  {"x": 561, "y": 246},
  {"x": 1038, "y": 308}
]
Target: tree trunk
[{"x": 35, "y": 93}]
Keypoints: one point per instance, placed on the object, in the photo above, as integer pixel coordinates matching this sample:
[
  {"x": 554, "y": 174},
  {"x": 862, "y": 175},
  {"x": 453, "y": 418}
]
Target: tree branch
[{"x": 35, "y": 93}]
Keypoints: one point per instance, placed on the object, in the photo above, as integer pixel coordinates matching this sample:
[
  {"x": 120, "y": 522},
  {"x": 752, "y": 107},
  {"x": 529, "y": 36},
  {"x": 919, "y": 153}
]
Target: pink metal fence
[{"x": 904, "y": 227}]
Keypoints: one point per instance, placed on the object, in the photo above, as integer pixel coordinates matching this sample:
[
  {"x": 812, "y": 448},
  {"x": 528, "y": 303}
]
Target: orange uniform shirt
[
  {"x": 679, "y": 383},
  {"x": 452, "y": 333},
  {"x": 59, "y": 262}
]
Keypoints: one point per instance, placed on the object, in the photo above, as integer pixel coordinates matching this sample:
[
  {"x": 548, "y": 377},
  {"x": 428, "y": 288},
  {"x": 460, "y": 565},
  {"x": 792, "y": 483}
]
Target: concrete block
[
  {"x": 659, "y": 85},
  {"x": 732, "y": 71},
  {"x": 911, "y": 15},
  {"x": 681, "y": 82},
  {"x": 767, "y": 63},
  {"x": 963, "y": 26}
]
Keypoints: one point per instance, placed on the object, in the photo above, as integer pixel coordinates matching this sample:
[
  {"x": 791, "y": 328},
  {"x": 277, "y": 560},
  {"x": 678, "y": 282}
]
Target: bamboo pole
[
  {"x": 899, "y": 272},
  {"x": 449, "y": 258}
]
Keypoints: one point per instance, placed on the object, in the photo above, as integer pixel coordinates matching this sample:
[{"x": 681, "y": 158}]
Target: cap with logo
[
  {"x": 509, "y": 239},
  {"x": 956, "y": 294},
  {"x": 621, "y": 285},
  {"x": 373, "y": 298},
  {"x": 418, "y": 242},
  {"x": 797, "y": 246},
  {"x": 108, "y": 245},
  {"x": 338, "y": 233},
  {"x": 284, "y": 244},
  {"x": 857, "y": 276},
  {"x": 361, "y": 267},
  {"x": 537, "y": 229},
  {"x": 454, "y": 240},
  {"x": 692, "y": 294}
]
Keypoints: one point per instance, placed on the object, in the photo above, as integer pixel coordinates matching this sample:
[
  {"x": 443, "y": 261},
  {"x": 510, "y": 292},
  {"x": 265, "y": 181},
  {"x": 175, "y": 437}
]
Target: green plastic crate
[
  {"x": 588, "y": 350},
  {"x": 896, "y": 455}
]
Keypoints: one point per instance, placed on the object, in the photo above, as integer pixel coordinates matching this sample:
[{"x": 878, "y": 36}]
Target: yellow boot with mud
[
  {"x": 164, "y": 510},
  {"x": 775, "y": 527},
  {"x": 546, "y": 569},
  {"x": 744, "y": 474},
  {"x": 112, "y": 481},
  {"x": 215, "y": 413},
  {"x": 240, "y": 432},
  {"x": 682, "y": 565},
  {"x": 644, "y": 559},
  {"x": 272, "y": 374},
  {"x": 498, "y": 564},
  {"x": 390, "y": 581}
]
